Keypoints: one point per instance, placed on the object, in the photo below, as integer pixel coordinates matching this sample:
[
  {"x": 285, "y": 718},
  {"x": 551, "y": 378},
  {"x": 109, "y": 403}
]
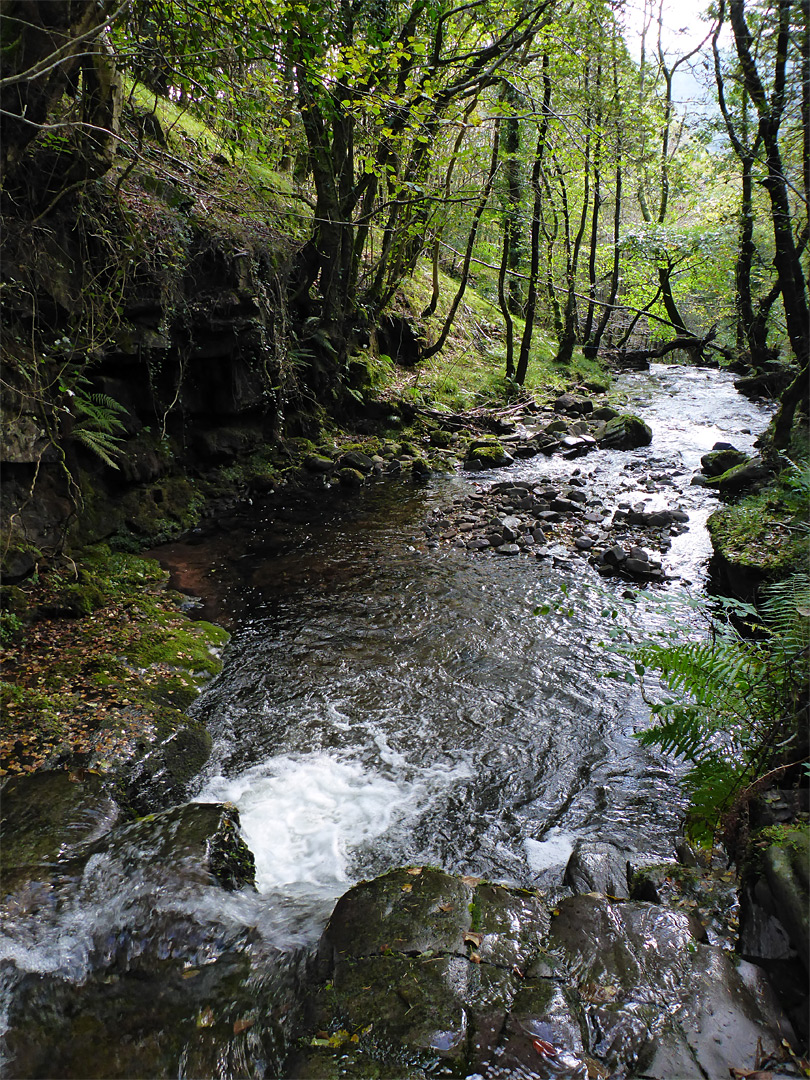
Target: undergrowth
[{"x": 733, "y": 702}]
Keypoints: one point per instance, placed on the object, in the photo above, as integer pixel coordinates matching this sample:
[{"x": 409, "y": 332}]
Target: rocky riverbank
[{"x": 421, "y": 973}]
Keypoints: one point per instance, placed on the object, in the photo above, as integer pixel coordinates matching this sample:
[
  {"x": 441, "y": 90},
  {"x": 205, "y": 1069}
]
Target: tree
[
  {"x": 50, "y": 50},
  {"x": 764, "y": 75}
]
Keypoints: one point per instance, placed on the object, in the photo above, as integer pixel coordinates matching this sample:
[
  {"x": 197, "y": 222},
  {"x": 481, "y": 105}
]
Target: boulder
[
  {"x": 597, "y": 867},
  {"x": 625, "y": 432},
  {"x": 719, "y": 461},
  {"x": 351, "y": 478},
  {"x": 423, "y": 973},
  {"x": 489, "y": 454},
  {"x": 315, "y": 463},
  {"x": 751, "y": 471},
  {"x": 571, "y": 403},
  {"x": 354, "y": 459}
]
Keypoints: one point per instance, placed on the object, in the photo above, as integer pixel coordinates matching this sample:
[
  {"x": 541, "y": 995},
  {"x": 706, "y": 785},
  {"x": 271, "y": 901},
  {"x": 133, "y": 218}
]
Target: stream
[{"x": 388, "y": 701}]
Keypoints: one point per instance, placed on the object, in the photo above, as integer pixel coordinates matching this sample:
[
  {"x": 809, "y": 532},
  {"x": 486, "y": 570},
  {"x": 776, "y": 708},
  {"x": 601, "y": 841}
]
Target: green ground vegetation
[{"x": 99, "y": 664}]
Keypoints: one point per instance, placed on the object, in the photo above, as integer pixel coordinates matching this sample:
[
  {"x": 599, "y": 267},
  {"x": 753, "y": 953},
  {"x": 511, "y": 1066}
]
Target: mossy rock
[
  {"x": 155, "y": 1019},
  {"x": 489, "y": 454},
  {"x": 752, "y": 547},
  {"x": 163, "y": 774},
  {"x": 625, "y": 432},
  {"x": 49, "y": 818},
  {"x": 351, "y": 478},
  {"x": 746, "y": 474},
  {"x": 717, "y": 462}
]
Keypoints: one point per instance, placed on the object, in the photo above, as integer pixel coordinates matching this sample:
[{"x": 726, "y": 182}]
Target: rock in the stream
[
  {"x": 487, "y": 454},
  {"x": 156, "y": 990},
  {"x": 423, "y": 973},
  {"x": 597, "y": 867},
  {"x": 625, "y": 432},
  {"x": 355, "y": 459},
  {"x": 720, "y": 460},
  {"x": 316, "y": 464}
]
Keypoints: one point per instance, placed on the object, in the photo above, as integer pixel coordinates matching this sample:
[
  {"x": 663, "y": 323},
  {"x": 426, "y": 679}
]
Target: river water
[
  {"x": 387, "y": 702},
  {"x": 384, "y": 702}
]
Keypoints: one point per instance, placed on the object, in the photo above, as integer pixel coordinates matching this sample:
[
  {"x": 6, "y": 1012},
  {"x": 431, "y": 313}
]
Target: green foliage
[
  {"x": 734, "y": 699},
  {"x": 99, "y": 424},
  {"x": 10, "y": 627}
]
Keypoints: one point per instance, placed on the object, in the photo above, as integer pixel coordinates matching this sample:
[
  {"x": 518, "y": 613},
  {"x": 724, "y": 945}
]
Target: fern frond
[
  {"x": 786, "y": 612},
  {"x": 100, "y": 413},
  {"x": 101, "y": 444}
]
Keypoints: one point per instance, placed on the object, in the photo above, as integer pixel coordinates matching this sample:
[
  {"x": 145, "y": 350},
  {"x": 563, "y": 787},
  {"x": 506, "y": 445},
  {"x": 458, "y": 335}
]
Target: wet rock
[
  {"x": 218, "y": 1018},
  {"x": 656, "y": 519},
  {"x": 614, "y": 556},
  {"x": 51, "y": 818},
  {"x": 597, "y": 867},
  {"x": 625, "y": 432},
  {"x": 355, "y": 459},
  {"x": 740, "y": 476},
  {"x": 351, "y": 478},
  {"x": 565, "y": 506},
  {"x": 574, "y": 446},
  {"x": 786, "y": 871},
  {"x": 508, "y": 549},
  {"x": 488, "y": 453},
  {"x": 317, "y": 464},
  {"x": 642, "y": 569},
  {"x": 421, "y": 469},
  {"x": 162, "y": 775},
  {"x": 720, "y": 460},
  {"x": 423, "y": 973}
]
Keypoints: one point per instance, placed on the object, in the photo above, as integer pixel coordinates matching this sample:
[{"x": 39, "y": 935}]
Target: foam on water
[
  {"x": 552, "y": 852},
  {"x": 303, "y": 816}
]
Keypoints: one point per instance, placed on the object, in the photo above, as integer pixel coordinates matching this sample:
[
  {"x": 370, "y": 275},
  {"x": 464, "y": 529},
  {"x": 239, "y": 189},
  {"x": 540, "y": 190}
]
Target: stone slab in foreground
[{"x": 425, "y": 974}]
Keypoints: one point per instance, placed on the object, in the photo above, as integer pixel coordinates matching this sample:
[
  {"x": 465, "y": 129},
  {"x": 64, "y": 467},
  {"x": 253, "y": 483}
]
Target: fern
[
  {"x": 733, "y": 702},
  {"x": 100, "y": 443},
  {"x": 99, "y": 425}
]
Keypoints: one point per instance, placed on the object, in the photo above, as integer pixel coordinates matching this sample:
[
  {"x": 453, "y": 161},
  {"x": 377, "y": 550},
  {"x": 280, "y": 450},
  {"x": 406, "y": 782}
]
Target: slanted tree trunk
[{"x": 770, "y": 110}]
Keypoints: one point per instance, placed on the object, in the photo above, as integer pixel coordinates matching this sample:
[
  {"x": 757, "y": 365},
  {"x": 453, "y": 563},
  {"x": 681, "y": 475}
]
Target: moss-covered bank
[
  {"x": 763, "y": 535},
  {"x": 99, "y": 667}
]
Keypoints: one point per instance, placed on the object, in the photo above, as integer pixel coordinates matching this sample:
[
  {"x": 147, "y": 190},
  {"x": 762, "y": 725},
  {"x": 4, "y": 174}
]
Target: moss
[
  {"x": 229, "y": 858},
  {"x": 793, "y": 839},
  {"x": 475, "y": 913},
  {"x": 105, "y": 688},
  {"x": 760, "y": 536}
]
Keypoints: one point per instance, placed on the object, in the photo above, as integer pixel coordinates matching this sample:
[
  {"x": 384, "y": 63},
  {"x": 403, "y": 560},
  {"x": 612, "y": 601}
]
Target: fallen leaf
[
  {"x": 473, "y": 881},
  {"x": 242, "y": 1025},
  {"x": 544, "y": 1048},
  {"x": 473, "y": 939},
  {"x": 446, "y": 907},
  {"x": 407, "y": 888},
  {"x": 415, "y": 870}
]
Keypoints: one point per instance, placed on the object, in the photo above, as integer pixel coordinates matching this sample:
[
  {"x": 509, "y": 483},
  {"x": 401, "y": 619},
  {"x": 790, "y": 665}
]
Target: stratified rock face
[{"x": 423, "y": 973}]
